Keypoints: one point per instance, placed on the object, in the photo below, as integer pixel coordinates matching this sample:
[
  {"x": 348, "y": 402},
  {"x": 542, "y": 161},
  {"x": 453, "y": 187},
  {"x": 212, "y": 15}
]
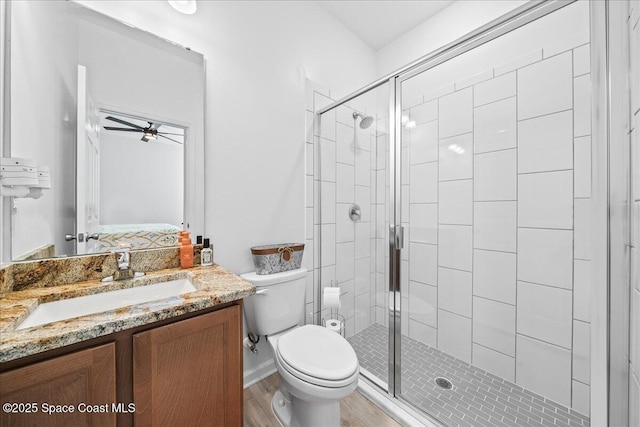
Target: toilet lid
[{"x": 318, "y": 352}]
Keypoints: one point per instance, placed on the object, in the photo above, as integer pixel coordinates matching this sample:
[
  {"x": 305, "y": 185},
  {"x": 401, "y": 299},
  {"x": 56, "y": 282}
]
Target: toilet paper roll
[
  {"x": 331, "y": 297},
  {"x": 334, "y": 325}
]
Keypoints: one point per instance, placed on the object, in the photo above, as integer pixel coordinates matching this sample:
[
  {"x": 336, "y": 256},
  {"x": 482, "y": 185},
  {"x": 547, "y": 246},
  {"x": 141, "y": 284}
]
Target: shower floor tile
[{"x": 477, "y": 399}]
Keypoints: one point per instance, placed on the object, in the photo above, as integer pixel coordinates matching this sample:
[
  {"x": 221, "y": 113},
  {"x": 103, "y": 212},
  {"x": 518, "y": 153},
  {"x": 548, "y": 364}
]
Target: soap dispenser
[
  {"x": 186, "y": 250},
  {"x": 206, "y": 255}
]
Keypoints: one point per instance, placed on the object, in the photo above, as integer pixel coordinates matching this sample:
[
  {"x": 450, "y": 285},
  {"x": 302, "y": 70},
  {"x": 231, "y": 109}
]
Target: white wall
[
  {"x": 146, "y": 175},
  {"x": 258, "y": 55},
  {"x": 43, "y": 111},
  {"x": 451, "y": 23}
]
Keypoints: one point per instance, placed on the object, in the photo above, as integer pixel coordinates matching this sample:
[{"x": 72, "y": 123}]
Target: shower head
[{"x": 365, "y": 122}]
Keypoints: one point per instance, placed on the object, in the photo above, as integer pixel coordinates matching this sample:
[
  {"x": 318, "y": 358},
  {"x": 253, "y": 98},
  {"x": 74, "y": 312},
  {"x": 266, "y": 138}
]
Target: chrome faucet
[{"x": 124, "y": 271}]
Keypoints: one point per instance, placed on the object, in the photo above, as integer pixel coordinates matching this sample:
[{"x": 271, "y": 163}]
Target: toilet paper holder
[{"x": 334, "y": 320}]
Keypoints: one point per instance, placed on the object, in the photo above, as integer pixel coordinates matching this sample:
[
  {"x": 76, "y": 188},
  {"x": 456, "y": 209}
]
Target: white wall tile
[
  {"x": 424, "y": 112},
  {"x": 423, "y": 333},
  {"x": 472, "y": 80},
  {"x": 309, "y": 159},
  {"x": 582, "y": 105},
  {"x": 423, "y": 223},
  {"x": 494, "y": 325},
  {"x": 456, "y": 113},
  {"x": 423, "y": 140},
  {"x": 581, "y": 397},
  {"x": 344, "y": 115},
  {"x": 545, "y": 257},
  {"x": 328, "y": 124},
  {"x": 546, "y": 143},
  {"x": 582, "y": 229},
  {"x": 582, "y": 166},
  {"x": 423, "y": 303},
  {"x": 544, "y": 369},
  {"x": 345, "y": 144},
  {"x": 494, "y": 226},
  {"x": 424, "y": 183},
  {"x": 495, "y": 176},
  {"x": 344, "y": 262},
  {"x": 363, "y": 168},
  {"x": 328, "y": 245},
  {"x": 564, "y": 44},
  {"x": 345, "y": 186},
  {"x": 362, "y": 275},
  {"x": 494, "y": 89},
  {"x": 327, "y": 160},
  {"x": 634, "y": 332},
  {"x": 582, "y": 60},
  {"x": 423, "y": 263},
  {"x": 581, "y": 352},
  {"x": 308, "y": 192},
  {"x": 363, "y": 240},
  {"x": 309, "y": 223},
  {"x": 545, "y": 87},
  {"x": 494, "y": 275},
  {"x": 345, "y": 228},
  {"x": 362, "y": 312},
  {"x": 544, "y": 313},
  {"x": 455, "y": 291},
  {"x": 494, "y": 126},
  {"x": 327, "y": 202},
  {"x": 545, "y": 200},
  {"x": 456, "y": 157},
  {"x": 582, "y": 290},
  {"x": 492, "y": 361},
  {"x": 634, "y": 398},
  {"x": 347, "y": 299},
  {"x": 362, "y": 139},
  {"x": 456, "y": 202},
  {"x": 404, "y": 317},
  {"x": 522, "y": 61},
  {"x": 455, "y": 246},
  {"x": 454, "y": 335},
  {"x": 363, "y": 198}
]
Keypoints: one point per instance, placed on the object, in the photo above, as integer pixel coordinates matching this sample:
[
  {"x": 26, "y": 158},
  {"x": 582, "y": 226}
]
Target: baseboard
[{"x": 260, "y": 372}]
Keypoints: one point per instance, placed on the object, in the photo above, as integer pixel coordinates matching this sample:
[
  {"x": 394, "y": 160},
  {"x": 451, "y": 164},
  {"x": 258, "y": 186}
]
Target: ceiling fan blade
[
  {"x": 121, "y": 129},
  {"x": 170, "y": 139},
  {"x": 154, "y": 126},
  {"x": 115, "y": 119}
]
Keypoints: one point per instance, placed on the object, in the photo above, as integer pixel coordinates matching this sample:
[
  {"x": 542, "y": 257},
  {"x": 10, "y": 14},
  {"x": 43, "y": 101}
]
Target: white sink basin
[{"x": 91, "y": 304}]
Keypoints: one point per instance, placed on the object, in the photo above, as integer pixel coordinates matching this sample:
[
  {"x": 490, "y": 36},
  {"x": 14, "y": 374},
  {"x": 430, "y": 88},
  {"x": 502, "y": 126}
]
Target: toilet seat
[{"x": 318, "y": 356}]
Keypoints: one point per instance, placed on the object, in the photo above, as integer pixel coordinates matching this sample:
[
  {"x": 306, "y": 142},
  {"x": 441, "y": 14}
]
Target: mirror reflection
[{"x": 114, "y": 112}]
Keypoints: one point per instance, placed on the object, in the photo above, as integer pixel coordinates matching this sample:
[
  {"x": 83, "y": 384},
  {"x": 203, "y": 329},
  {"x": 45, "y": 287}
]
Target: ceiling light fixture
[{"x": 188, "y": 7}]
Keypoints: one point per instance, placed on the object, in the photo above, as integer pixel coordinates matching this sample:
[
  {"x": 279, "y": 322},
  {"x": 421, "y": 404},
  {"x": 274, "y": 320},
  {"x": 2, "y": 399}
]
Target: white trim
[{"x": 260, "y": 372}]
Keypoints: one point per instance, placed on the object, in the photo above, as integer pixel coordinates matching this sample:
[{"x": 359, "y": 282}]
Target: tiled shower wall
[
  {"x": 634, "y": 353},
  {"x": 496, "y": 201},
  {"x": 340, "y": 172}
]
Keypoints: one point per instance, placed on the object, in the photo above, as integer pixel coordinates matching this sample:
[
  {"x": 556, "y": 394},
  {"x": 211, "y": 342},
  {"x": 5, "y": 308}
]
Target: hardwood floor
[{"x": 355, "y": 410}]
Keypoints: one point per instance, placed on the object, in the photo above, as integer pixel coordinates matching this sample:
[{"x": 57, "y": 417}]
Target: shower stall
[{"x": 465, "y": 278}]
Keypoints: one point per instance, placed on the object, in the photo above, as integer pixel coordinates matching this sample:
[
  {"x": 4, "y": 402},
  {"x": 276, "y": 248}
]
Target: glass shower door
[
  {"x": 494, "y": 193},
  {"x": 352, "y": 181}
]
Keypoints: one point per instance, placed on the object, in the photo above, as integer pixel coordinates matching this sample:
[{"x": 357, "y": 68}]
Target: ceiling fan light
[{"x": 188, "y": 7}]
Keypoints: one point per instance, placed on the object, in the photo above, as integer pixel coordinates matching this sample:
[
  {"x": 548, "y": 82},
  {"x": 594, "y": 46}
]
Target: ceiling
[{"x": 380, "y": 22}]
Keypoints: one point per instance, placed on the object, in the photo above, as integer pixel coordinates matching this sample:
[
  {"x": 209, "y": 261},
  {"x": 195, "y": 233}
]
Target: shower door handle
[{"x": 396, "y": 234}]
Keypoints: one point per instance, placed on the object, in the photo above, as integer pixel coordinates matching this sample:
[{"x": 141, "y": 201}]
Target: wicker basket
[{"x": 271, "y": 259}]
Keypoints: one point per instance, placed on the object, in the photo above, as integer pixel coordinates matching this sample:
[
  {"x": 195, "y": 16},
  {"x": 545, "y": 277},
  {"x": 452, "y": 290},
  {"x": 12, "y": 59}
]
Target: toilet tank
[{"x": 278, "y": 303}]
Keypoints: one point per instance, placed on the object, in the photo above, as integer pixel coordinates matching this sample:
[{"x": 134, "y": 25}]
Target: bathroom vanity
[{"x": 174, "y": 361}]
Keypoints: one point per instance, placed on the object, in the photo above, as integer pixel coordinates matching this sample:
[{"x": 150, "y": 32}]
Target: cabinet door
[
  {"x": 85, "y": 377},
  {"x": 189, "y": 373}
]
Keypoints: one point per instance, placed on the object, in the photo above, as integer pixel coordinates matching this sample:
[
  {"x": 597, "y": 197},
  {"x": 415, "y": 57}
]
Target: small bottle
[
  {"x": 206, "y": 254},
  {"x": 186, "y": 250}
]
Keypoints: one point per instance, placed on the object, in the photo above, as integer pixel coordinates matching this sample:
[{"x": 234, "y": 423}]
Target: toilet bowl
[{"x": 317, "y": 367}]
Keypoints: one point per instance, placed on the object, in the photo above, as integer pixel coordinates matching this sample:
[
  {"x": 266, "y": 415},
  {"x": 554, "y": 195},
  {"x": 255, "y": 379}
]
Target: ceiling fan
[{"x": 148, "y": 133}]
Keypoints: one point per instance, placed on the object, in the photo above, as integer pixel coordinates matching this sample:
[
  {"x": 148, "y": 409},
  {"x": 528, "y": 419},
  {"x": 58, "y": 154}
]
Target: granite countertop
[{"x": 214, "y": 285}]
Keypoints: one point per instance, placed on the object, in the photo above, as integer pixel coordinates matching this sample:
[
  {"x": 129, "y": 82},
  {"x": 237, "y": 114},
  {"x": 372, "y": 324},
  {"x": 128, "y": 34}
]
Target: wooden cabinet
[
  {"x": 86, "y": 376},
  {"x": 189, "y": 373},
  {"x": 185, "y": 371}
]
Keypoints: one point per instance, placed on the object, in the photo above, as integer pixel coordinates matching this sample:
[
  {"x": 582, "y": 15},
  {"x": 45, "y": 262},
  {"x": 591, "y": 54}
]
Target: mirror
[{"x": 70, "y": 69}]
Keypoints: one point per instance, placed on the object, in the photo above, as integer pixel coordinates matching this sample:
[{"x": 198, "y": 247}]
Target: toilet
[{"x": 317, "y": 367}]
